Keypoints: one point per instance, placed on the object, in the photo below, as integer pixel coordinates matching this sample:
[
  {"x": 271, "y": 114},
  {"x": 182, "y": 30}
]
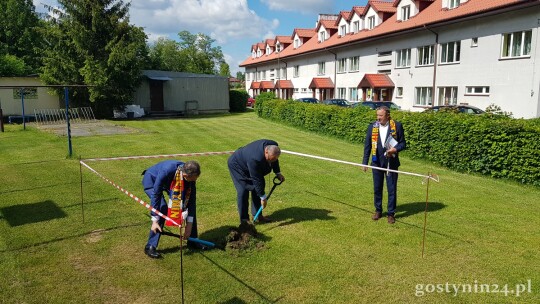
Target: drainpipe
[
  {"x": 335, "y": 71},
  {"x": 436, "y": 51},
  {"x": 286, "y": 75}
]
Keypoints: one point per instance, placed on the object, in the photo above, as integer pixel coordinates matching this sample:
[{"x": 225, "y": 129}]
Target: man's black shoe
[{"x": 152, "y": 252}]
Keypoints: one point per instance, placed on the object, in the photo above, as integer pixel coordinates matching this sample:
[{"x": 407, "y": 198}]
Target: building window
[
  {"x": 477, "y": 91},
  {"x": 403, "y": 58},
  {"x": 399, "y": 92},
  {"x": 341, "y": 93},
  {"x": 405, "y": 12},
  {"x": 447, "y": 96},
  {"x": 263, "y": 75},
  {"x": 322, "y": 36},
  {"x": 516, "y": 44},
  {"x": 283, "y": 74},
  {"x": 343, "y": 30},
  {"x": 385, "y": 53},
  {"x": 268, "y": 50},
  {"x": 272, "y": 73},
  {"x": 371, "y": 22},
  {"x": 253, "y": 54},
  {"x": 425, "y": 55},
  {"x": 384, "y": 62},
  {"x": 474, "y": 42},
  {"x": 342, "y": 65},
  {"x": 450, "y": 52},
  {"x": 387, "y": 72},
  {"x": 321, "y": 68},
  {"x": 353, "y": 94},
  {"x": 296, "y": 43},
  {"x": 354, "y": 63},
  {"x": 423, "y": 96},
  {"x": 356, "y": 27},
  {"x": 296, "y": 71},
  {"x": 453, "y": 3},
  {"x": 258, "y": 53}
]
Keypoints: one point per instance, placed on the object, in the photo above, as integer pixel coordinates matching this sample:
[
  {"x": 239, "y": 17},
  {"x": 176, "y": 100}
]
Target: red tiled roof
[
  {"x": 376, "y": 81},
  {"x": 284, "y": 39},
  {"x": 382, "y": 6},
  {"x": 358, "y": 10},
  {"x": 261, "y": 46},
  {"x": 266, "y": 85},
  {"x": 270, "y": 42},
  {"x": 284, "y": 84},
  {"x": 431, "y": 15},
  {"x": 304, "y": 33},
  {"x": 321, "y": 83},
  {"x": 255, "y": 85},
  {"x": 344, "y": 14},
  {"x": 328, "y": 24}
]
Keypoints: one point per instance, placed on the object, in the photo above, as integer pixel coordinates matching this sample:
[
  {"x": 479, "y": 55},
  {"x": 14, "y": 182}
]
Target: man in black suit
[
  {"x": 384, "y": 139},
  {"x": 248, "y": 165}
]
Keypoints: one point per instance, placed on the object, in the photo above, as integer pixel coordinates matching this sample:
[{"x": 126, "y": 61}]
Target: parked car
[
  {"x": 375, "y": 104},
  {"x": 338, "y": 102},
  {"x": 308, "y": 100},
  {"x": 457, "y": 108},
  {"x": 250, "y": 102}
]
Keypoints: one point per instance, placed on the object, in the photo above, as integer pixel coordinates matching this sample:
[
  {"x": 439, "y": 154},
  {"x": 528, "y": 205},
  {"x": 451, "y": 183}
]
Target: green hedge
[
  {"x": 238, "y": 100},
  {"x": 489, "y": 144}
]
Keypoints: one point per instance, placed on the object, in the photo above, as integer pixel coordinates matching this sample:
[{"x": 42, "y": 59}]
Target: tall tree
[
  {"x": 224, "y": 69},
  {"x": 201, "y": 56},
  {"x": 91, "y": 42},
  {"x": 240, "y": 76},
  {"x": 19, "y": 39},
  {"x": 165, "y": 54}
]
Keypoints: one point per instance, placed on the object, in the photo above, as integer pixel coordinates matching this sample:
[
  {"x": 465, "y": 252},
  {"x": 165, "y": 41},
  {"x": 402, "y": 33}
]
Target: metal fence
[{"x": 56, "y": 116}]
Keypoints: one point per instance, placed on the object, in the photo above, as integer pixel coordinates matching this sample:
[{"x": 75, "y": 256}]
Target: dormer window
[
  {"x": 278, "y": 47},
  {"x": 371, "y": 22},
  {"x": 296, "y": 43},
  {"x": 343, "y": 30},
  {"x": 405, "y": 13},
  {"x": 268, "y": 50},
  {"x": 253, "y": 54},
  {"x": 322, "y": 36},
  {"x": 259, "y": 53},
  {"x": 356, "y": 27},
  {"x": 453, "y": 3}
]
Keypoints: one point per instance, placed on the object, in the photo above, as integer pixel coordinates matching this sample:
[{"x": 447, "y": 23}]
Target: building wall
[
  {"x": 514, "y": 83},
  {"x": 12, "y": 105}
]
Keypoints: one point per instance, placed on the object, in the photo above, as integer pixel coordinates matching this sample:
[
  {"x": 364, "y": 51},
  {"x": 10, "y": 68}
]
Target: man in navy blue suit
[
  {"x": 161, "y": 177},
  {"x": 384, "y": 139},
  {"x": 248, "y": 165}
]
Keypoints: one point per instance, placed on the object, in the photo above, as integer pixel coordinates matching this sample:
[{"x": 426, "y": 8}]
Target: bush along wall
[
  {"x": 488, "y": 144},
  {"x": 238, "y": 100}
]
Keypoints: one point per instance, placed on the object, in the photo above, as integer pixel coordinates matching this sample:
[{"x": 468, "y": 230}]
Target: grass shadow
[
  {"x": 340, "y": 202},
  {"x": 19, "y": 215},
  {"x": 408, "y": 209},
  {"x": 293, "y": 215}
]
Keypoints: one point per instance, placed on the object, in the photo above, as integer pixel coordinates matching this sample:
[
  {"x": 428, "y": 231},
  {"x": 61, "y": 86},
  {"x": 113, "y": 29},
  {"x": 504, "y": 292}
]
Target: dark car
[
  {"x": 250, "y": 102},
  {"x": 338, "y": 102},
  {"x": 375, "y": 104},
  {"x": 458, "y": 109},
  {"x": 308, "y": 100}
]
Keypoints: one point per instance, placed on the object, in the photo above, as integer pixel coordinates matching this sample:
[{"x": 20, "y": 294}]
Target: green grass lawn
[{"x": 322, "y": 248}]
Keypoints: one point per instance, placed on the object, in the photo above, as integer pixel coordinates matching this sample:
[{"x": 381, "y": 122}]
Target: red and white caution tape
[
  {"x": 160, "y": 156},
  {"x": 140, "y": 201},
  {"x": 431, "y": 176}
]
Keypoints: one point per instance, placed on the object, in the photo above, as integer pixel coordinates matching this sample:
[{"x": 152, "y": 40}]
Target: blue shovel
[{"x": 277, "y": 182}]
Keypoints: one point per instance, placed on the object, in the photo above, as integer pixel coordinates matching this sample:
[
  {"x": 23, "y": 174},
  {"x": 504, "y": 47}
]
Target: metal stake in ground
[
  {"x": 181, "y": 263},
  {"x": 276, "y": 183}
]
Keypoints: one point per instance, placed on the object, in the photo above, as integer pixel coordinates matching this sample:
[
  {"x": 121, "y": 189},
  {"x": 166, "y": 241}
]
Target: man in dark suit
[
  {"x": 384, "y": 139},
  {"x": 161, "y": 177},
  {"x": 248, "y": 165}
]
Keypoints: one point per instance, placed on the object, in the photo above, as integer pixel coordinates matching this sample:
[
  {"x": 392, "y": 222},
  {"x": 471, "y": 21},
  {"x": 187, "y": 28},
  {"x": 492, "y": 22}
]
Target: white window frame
[
  {"x": 342, "y": 93},
  {"x": 403, "y": 58},
  {"x": 477, "y": 90},
  {"x": 322, "y": 36},
  {"x": 296, "y": 71},
  {"x": 423, "y": 96},
  {"x": 356, "y": 26},
  {"x": 450, "y": 52},
  {"x": 443, "y": 91},
  {"x": 354, "y": 64},
  {"x": 321, "y": 68},
  {"x": 296, "y": 43},
  {"x": 523, "y": 39},
  {"x": 399, "y": 92},
  {"x": 453, "y": 3},
  {"x": 353, "y": 94},
  {"x": 342, "y": 65},
  {"x": 371, "y": 22},
  {"x": 343, "y": 30},
  {"x": 405, "y": 12},
  {"x": 425, "y": 55}
]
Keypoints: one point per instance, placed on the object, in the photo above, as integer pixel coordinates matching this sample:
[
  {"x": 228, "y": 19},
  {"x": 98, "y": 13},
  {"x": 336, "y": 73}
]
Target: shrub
[{"x": 238, "y": 100}]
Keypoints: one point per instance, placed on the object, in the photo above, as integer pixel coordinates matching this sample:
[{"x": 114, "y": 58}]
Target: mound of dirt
[{"x": 244, "y": 237}]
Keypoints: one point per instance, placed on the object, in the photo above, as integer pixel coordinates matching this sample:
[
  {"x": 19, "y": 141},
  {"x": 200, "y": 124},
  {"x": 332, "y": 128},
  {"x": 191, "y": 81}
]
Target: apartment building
[{"x": 416, "y": 53}]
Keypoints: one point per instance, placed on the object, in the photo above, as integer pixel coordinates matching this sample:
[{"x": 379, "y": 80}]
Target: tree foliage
[
  {"x": 91, "y": 42},
  {"x": 19, "y": 38}
]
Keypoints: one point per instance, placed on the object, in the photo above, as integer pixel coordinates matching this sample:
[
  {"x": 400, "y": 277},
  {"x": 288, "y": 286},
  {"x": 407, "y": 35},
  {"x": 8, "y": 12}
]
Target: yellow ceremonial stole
[
  {"x": 375, "y": 137},
  {"x": 175, "y": 198}
]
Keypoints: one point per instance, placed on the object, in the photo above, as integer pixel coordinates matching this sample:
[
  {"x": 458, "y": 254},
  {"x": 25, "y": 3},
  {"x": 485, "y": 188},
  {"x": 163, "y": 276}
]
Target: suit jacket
[
  {"x": 249, "y": 166},
  {"x": 159, "y": 178},
  {"x": 382, "y": 161}
]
